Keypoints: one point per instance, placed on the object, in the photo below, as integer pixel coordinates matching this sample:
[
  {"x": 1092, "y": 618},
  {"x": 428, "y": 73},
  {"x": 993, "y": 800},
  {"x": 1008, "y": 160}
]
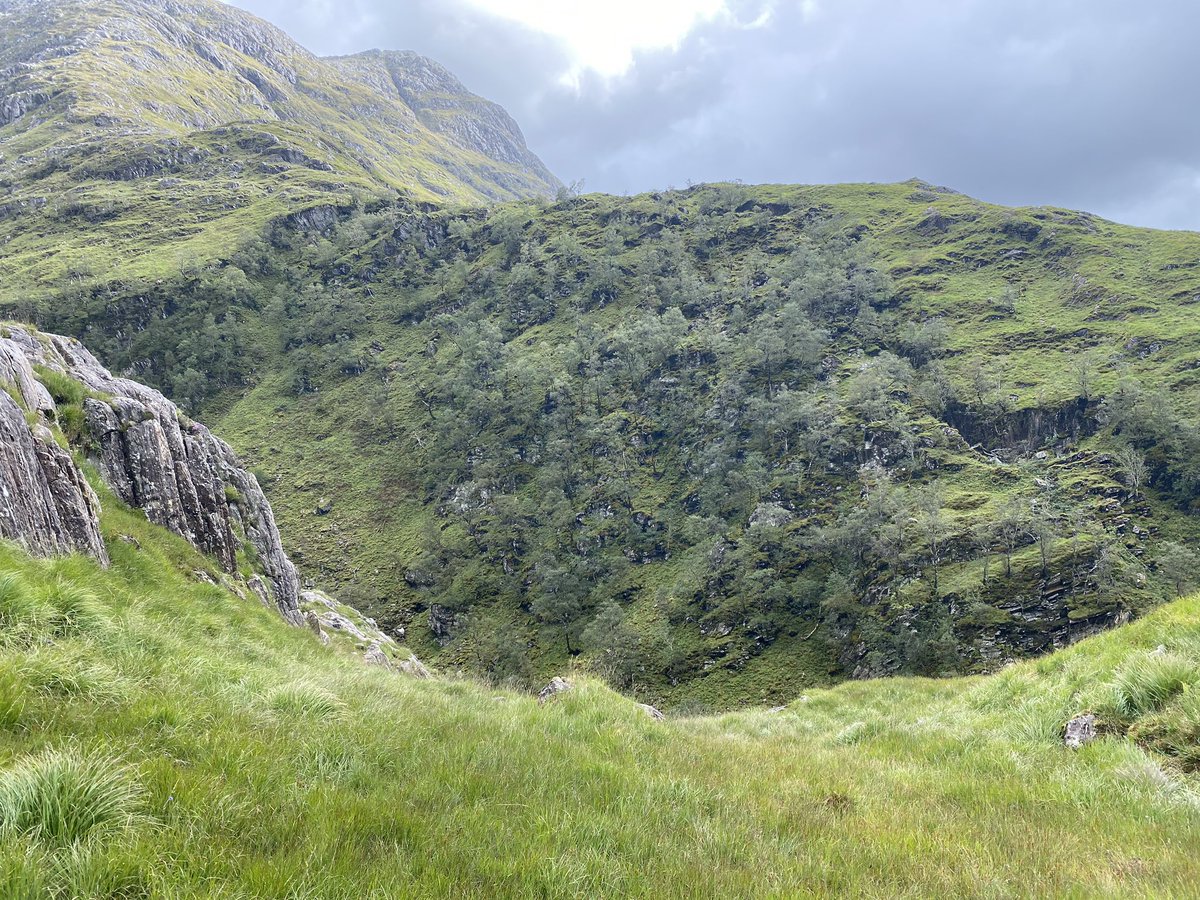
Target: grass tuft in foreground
[{"x": 61, "y": 797}]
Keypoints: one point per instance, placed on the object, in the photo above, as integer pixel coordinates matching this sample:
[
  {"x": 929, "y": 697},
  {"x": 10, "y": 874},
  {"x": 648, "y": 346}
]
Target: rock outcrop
[
  {"x": 151, "y": 456},
  {"x": 338, "y": 624},
  {"x": 45, "y": 502},
  {"x": 652, "y": 711},
  {"x": 1080, "y": 731},
  {"x": 557, "y": 685}
]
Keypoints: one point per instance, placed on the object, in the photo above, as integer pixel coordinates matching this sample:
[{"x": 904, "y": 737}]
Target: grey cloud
[{"x": 1079, "y": 103}]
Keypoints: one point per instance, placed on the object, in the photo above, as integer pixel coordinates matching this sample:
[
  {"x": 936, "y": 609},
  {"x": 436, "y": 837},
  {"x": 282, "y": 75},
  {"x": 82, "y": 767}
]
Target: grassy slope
[
  {"x": 1133, "y": 315},
  {"x": 134, "y": 92},
  {"x": 229, "y": 756}
]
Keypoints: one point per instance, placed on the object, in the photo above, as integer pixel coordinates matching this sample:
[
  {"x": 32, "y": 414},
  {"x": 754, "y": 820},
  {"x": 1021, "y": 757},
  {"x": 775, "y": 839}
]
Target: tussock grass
[
  {"x": 306, "y": 699},
  {"x": 74, "y": 607},
  {"x": 1147, "y": 682},
  {"x": 1174, "y": 730},
  {"x": 64, "y": 796},
  {"x": 13, "y": 689},
  {"x": 20, "y": 608}
]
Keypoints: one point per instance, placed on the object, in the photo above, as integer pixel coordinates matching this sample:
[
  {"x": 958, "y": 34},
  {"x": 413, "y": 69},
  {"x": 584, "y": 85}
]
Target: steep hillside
[
  {"x": 138, "y": 136},
  {"x": 729, "y": 442},
  {"x": 721, "y": 444},
  {"x": 160, "y": 737}
]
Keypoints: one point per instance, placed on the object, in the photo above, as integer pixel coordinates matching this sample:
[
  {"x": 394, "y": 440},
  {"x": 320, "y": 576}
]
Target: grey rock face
[
  {"x": 45, "y": 502},
  {"x": 1080, "y": 730},
  {"x": 771, "y": 515},
  {"x": 441, "y": 623},
  {"x": 150, "y": 455}
]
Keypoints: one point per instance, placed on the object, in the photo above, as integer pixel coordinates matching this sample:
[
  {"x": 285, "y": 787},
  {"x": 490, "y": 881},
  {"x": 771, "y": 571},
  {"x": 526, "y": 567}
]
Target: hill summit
[
  {"x": 127, "y": 114},
  {"x": 160, "y": 75}
]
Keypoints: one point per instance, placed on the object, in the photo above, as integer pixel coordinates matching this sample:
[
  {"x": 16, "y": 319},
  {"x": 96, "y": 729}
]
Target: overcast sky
[{"x": 1088, "y": 104}]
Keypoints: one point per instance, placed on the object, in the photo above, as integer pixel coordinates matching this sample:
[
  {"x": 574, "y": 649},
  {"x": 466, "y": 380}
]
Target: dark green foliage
[
  {"x": 1180, "y": 565},
  {"x": 496, "y": 649},
  {"x": 738, "y": 413}
]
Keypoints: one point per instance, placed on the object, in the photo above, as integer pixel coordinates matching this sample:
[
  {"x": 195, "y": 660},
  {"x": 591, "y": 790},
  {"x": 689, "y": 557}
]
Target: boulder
[
  {"x": 653, "y": 712},
  {"x": 314, "y": 625},
  {"x": 376, "y": 657},
  {"x": 1080, "y": 730},
  {"x": 555, "y": 687},
  {"x": 772, "y": 515},
  {"x": 413, "y": 667},
  {"x": 335, "y": 621}
]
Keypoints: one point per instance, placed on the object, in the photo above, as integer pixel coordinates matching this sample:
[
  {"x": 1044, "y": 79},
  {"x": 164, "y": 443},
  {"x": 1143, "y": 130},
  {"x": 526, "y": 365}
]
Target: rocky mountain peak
[
  {"x": 444, "y": 105},
  {"x": 77, "y": 73}
]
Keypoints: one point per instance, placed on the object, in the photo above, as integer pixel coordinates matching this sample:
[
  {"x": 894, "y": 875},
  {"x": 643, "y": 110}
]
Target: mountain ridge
[{"x": 191, "y": 112}]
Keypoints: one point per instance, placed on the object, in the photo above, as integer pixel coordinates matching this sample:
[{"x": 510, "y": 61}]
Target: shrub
[{"x": 63, "y": 796}]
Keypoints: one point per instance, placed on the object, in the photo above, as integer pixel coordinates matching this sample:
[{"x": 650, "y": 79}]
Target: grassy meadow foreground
[{"x": 161, "y": 738}]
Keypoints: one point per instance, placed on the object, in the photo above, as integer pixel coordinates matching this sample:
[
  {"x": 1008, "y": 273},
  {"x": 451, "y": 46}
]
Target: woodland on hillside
[{"x": 675, "y": 431}]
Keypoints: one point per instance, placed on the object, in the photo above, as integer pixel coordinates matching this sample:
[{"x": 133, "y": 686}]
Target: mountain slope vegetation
[
  {"x": 761, "y": 438},
  {"x": 736, "y": 451},
  {"x": 724, "y": 444},
  {"x": 161, "y": 737},
  {"x": 137, "y": 136}
]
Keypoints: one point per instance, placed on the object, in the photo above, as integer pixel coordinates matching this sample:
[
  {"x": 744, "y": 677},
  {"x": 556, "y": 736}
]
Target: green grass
[
  {"x": 62, "y": 797},
  {"x": 186, "y": 743}
]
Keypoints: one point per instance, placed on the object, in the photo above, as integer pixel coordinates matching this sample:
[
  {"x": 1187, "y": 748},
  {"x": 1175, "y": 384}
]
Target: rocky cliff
[
  {"x": 146, "y": 451},
  {"x": 443, "y": 105}
]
